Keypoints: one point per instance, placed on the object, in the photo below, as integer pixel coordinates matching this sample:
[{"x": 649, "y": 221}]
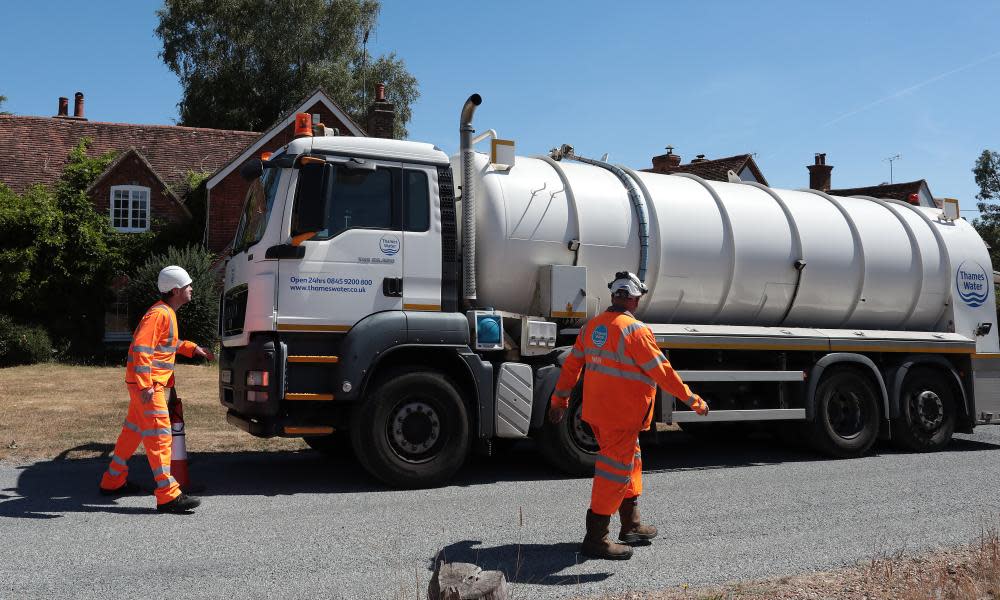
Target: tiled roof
[
  {"x": 716, "y": 169},
  {"x": 893, "y": 191},
  {"x": 35, "y": 149}
]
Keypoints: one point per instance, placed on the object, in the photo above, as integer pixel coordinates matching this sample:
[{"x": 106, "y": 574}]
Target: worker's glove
[
  {"x": 699, "y": 406},
  {"x": 557, "y": 409}
]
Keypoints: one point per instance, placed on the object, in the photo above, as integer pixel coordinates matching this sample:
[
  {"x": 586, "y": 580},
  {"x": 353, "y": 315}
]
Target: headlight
[
  {"x": 226, "y": 376},
  {"x": 257, "y": 378}
]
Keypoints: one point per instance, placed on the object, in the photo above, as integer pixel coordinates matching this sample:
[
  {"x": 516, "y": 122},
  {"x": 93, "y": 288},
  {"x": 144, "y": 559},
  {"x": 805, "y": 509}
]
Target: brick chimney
[
  {"x": 78, "y": 106},
  {"x": 819, "y": 174},
  {"x": 381, "y": 115},
  {"x": 665, "y": 162},
  {"x": 63, "y": 107}
]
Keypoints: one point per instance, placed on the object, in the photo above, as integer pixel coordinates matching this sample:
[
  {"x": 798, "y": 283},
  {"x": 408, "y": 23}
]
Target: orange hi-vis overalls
[
  {"x": 624, "y": 366},
  {"x": 150, "y": 364}
]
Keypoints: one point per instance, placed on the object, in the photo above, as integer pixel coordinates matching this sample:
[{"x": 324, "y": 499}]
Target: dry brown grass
[
  {"x": 966, "y": 573},
  {"x": 51, "y": 409}
]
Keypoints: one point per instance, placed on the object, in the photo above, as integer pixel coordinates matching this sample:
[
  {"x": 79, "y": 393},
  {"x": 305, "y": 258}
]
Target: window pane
[
  {"x": 257, "y": 210},
  {"x": 359, "y": 199},
  {"x": 417, "y": 206}
]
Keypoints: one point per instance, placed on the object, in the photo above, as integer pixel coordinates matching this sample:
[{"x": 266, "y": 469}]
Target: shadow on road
[
  {"x": 536, "y": 564},
  {"x": 47, "y": 489}
]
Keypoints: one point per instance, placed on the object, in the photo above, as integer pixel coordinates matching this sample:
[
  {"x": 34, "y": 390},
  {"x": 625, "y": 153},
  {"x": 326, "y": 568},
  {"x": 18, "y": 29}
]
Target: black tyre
[
  {"x": 570, "y": 446},
  {"x": 334, "y": 445},
  {"x": 847, "y": 414},
  {"x": 927, "y": 412},
  {"x": 412, "y": 430}
]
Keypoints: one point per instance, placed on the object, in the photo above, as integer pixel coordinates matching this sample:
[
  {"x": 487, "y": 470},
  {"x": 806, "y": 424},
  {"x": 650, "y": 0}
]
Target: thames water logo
[
  {"x": 600, "y": 336},
  {"x": 389, "y": 245},
  {"x": 973, "y": 284}
]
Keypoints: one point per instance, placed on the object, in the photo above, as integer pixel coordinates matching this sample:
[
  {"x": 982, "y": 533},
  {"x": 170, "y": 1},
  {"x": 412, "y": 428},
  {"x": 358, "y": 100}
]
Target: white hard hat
[
  {"x": 172, "y": 277},
  {"x": 628, "y": 283}
]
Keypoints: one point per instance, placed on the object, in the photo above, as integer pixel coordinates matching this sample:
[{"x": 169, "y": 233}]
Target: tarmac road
[{"x": 296, "y": 525}]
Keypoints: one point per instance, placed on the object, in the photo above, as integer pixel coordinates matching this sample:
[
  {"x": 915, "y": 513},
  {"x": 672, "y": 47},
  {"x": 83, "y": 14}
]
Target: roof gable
[
  {"x": 319, "y": 96},
  {"x": 893, "y": 191},
  {"x": 121, "y": 159}
]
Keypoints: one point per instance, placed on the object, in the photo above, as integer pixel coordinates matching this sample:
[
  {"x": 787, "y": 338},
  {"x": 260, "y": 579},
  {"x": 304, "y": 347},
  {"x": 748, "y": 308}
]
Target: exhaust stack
[{"x": 468, "y": 198}]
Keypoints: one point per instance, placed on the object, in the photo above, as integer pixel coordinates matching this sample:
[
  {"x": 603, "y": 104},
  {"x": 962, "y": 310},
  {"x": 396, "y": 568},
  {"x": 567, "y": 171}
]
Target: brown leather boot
[
  {"x": 633, "y": 531},
  {"x": 597, "y": 543}
]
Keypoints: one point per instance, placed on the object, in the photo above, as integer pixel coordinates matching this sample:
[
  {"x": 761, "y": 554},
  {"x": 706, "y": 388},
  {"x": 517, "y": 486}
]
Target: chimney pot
[
  {"x": 664, "y": 162},
  {"x": 700, "y": 158},
  {"x": 63, "y": 107},
  {"x": 380, "y": 92},
  {"x": 78, "y": 105}
]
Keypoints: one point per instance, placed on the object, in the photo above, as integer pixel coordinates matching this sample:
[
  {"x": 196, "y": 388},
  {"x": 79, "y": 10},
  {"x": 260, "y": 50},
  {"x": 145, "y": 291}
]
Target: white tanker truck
[{"x": 420, "y": 307}]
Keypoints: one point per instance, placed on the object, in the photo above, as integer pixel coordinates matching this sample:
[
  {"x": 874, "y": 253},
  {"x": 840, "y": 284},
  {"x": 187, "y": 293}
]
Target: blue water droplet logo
[{"x": 599, "y": 336}]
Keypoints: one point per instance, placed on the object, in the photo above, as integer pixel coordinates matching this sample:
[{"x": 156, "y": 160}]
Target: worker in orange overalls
[
  {"x": 624, "y": 366},
  {"x": 150, "y": 369}
]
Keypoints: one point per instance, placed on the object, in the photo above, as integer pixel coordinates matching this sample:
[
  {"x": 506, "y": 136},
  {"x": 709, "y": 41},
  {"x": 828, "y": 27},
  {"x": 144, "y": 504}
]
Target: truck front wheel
[
  {"x": 847, "y": 414},
  {"x": 412, "y": 430}
]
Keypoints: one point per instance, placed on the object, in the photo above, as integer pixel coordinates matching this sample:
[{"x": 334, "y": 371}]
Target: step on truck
[{"x": 384, "y": 299}]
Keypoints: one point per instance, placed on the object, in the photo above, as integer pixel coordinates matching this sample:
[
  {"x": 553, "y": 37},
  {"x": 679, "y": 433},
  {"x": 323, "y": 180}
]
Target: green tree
[
  {"x": 987, "y": 174},
  {"x": 2, "y": 100},
  {"x": 243, "y": 63}
]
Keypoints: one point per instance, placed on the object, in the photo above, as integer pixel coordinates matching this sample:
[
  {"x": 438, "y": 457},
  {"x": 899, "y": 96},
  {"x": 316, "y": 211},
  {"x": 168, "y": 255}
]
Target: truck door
[
  {"x": 421, "y": 239},
  {"x": 352, "y": 266}
]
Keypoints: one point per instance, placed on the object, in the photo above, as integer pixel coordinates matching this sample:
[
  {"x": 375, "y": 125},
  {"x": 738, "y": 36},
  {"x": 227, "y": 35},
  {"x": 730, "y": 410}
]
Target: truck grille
[{"x": 234, "y": 310}]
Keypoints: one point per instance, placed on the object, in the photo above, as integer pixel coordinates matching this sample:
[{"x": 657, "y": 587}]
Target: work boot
[
  {"x": 179, "y": 505},
  {"x": 126, "y": 489},
  {"x": 633, "y": 531},
  {"x": 597, "y": 543}
]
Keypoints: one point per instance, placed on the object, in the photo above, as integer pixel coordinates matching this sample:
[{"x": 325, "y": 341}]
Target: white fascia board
[{"x": 319, "y": 96}]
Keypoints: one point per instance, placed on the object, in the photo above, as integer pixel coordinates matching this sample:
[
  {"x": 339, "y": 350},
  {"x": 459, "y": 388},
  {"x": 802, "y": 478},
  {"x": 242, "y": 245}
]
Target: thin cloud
[{"x": 910, "y": 89}]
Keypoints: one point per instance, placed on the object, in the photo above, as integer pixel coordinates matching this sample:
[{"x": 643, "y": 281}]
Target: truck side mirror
[
  {"x": 310, "y": 198},
  {"x": 252, "y": 169}
]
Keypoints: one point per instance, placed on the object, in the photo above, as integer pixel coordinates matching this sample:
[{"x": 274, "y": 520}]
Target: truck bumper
[{"x": 264, "y": 353}]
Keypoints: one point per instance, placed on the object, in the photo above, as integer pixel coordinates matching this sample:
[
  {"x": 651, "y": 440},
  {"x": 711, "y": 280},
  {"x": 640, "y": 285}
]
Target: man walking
[
  {"x": 624, "y": 366},
  {"x": 150, "y": 369}
]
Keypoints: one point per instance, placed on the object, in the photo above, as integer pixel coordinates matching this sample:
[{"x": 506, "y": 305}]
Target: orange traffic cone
[{"x": 178, "y": 451}]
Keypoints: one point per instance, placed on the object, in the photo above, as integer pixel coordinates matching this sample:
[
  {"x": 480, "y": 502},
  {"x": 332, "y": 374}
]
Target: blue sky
[{"x": 860, "y": 81}]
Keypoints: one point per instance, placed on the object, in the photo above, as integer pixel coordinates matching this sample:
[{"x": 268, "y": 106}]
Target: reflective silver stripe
[
  {"x": 166, "y": 348},
  {"x": 162, "y": 483},
  {"x": 562, "y": 393},
  {"x": 633, "y": 327},
  {"x": 161, "y": 471},
  {"x": 143, "y": 369},
  {"x": 652, "y": 363},
  {"x": 617, "y": 356},
  {"x": 160, "y": 364},
  {"x": 143, "y": 349},
  {"x": 599, "y": 368},
  {"x": 613, "y": 463},
  {"x": 599, "y": 472},
  {"x": 577, "y": 352},
  {"x": 129, "y": 425},
  {"x": 114, "y": 472},
  {"x": 129, "y": 360},
  {"x": 156, "y": 432},
  {"x": 690, "y": 400},
  {"x": 156, "y": 413},
  {"x": 114, "y": 458}
]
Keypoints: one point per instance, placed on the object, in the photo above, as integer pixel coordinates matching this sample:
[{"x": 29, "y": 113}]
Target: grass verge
[{"x": 51, "y": 410}]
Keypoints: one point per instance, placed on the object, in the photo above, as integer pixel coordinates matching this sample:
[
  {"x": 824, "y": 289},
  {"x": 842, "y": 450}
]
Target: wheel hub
[
  {"x": 416, "y": 427},
  {"x": 929, "y": 410},
  {"x": 846, "y": 414}
]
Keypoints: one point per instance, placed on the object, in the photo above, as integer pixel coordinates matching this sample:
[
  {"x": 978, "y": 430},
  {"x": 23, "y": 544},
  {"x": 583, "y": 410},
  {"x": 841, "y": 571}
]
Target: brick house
[
  {"x": 916, "y": 192},
  {"x": 715, "y": 169},
  {"x": 143, "y": 188}
]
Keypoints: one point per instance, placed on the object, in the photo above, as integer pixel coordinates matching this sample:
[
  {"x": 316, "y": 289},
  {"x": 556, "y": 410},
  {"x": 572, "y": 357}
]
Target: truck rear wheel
[
  {"x": 927, "y": 412},
  {"x": 570, "y": 446},
  {"x": 846, "y": 419},
  {"x": 412, "y": 430}
]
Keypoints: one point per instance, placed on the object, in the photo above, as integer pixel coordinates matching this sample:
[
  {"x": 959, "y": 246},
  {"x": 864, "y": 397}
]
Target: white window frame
[{"x": 130, "y": 189}]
